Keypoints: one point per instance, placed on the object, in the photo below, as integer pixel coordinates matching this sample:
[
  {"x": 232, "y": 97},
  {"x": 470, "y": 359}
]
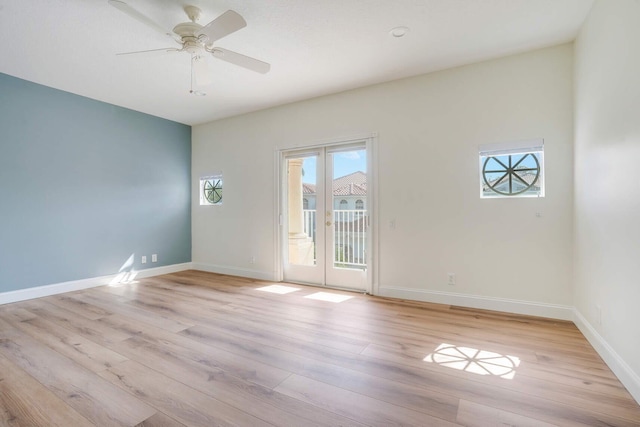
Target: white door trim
[{"x": 371, "y": 142}]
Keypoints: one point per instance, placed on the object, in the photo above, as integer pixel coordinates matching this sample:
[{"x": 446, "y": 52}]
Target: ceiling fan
[{"x": 198, "y": 41}]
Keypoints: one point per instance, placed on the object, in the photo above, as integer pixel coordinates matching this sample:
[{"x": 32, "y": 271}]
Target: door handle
[{"x": 328, "y": 223}]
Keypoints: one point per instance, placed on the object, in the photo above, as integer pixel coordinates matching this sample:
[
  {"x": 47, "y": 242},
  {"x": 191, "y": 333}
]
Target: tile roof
[
  {"x": 308, "y": 188},
  {"x": 354, "y": 184},
  {"x": 350, "y": 190},
  {"x": 357, "y": 178}
]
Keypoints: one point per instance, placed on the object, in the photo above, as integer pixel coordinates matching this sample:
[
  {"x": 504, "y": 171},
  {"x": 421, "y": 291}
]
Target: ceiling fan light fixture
[
  {"x": 399, "y": 32},
  {"x": 193, "y": 12}
]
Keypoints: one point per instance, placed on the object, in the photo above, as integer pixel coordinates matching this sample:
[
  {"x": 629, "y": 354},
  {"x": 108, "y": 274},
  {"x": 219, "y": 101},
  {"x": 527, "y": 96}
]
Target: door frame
[{"x": 370, "y": 141}]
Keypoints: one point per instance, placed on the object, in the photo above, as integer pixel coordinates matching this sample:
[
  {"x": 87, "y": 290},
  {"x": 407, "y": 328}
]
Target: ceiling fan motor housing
[{"x": 191, "y": 43}]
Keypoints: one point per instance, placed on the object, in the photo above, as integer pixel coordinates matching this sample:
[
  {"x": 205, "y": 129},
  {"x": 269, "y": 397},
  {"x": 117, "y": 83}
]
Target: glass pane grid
[
  {"x": 211, "y": 190},
  {"x": 511, "y": 175}
]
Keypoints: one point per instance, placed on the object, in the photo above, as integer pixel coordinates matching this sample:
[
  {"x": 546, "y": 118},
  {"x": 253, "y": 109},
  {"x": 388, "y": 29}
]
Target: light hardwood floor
[{"x": 200, "y": 349}]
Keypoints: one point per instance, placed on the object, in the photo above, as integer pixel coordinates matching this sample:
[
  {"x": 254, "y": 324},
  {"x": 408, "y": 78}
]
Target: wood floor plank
[
  {"x": 85, "y": 352},
  {"x": 94, "y": 398},
  {"x": 175, "y": 399},
  {"x": 201, "y": 312},
  {"x": 371, "y": 411},
  {"x": 475, "y": 415},
  {"x": 166, "y": 321},
  {"x": 89, "y": 329},
  {"x": 81, "y": 308},
  {"x": 242, "y": 367},
  {"x": 160, "y": 420},
  {"x": 253, "y": 398},
  {"x": 26, "y": 402},
  {"x": 438, "y": 404}
]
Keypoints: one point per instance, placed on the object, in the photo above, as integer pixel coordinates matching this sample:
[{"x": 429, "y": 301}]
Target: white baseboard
[
  {"x": 626, "y": 375},
  {"x": 554, "y": 311},
  {"x": 167, "y": 269},
  {"x": 235, "y": 271},
  {"x": 76, "y": 285}
]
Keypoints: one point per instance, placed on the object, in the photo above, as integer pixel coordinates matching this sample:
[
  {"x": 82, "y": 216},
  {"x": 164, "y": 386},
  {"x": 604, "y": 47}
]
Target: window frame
[
  {"x": 534, "y": 147},
  {"x": 216, "y": 182}
]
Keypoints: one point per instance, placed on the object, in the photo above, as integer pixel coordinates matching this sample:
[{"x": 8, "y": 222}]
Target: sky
[{"x": 344, "y": 163}]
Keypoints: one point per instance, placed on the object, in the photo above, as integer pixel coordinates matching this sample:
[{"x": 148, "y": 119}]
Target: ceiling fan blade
[
  {"x": 241, "y": 60},
  {"x": 225, "y": 24},
  {"x": 154, "y": 52},
  {"x": 201, "y": 73},
  {"x": 125, "y": 8}
]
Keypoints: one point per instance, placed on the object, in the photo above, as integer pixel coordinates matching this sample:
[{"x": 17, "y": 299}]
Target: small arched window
[
  {"x": 305, "y": 204},
  {"x": 359, "y": 205},
  {"x": 343, "y": 204}
]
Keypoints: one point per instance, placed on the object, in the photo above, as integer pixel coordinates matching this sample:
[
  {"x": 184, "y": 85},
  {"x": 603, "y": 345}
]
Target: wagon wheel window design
[
  {"x": 213, "y": 191},
  {"x": 511, "y": 174}
]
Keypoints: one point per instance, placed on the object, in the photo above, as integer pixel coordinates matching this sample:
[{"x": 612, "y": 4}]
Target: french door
[{"x": 326, "y": 220}]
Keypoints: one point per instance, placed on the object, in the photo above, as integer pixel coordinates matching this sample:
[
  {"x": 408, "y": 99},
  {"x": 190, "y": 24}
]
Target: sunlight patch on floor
[
  {"x": 278, "y": 289},
  {"x": 475, "y": 361},
  {"x": 124, "y": 278},
  {"x": 126, "y": 274},
  {"x": 327, "y": 296}
]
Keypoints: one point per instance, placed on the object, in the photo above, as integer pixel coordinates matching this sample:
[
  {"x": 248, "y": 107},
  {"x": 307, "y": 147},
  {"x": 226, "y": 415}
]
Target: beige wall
[
  {"x": 429, "y": 128},
  {"x": 607, "y": 185}
]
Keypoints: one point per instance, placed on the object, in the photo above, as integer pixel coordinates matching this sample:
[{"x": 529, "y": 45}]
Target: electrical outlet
[
  {"x": 154, "y": 258},
  {"x": 252, "y": 260},
  {"x": 451, "y": 279},
  {"x": 144, "y": 259}
]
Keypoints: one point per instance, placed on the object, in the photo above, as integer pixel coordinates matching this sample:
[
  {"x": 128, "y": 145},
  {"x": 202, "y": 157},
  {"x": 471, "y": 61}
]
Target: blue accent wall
[{"x": 84, "y": 185}]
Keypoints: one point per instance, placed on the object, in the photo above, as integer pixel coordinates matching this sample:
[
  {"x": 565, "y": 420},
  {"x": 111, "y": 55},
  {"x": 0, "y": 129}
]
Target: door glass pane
[
  {"x": 349, "y": 201},
  {"x": 301, "y": 213}
]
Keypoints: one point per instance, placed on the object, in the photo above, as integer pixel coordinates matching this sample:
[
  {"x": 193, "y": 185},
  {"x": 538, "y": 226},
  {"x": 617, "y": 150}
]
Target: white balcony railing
[
  {"x": 310, "y": 224},
  {"x": 350, "y": 227}
]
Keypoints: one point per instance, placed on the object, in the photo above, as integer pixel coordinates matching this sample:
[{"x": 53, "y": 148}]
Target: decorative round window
[
  {"x": 213, "y": 191},
  {"x": 511, "y": 174}
]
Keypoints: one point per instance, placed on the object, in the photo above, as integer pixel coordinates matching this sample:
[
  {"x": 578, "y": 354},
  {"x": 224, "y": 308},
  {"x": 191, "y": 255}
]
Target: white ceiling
[{"x": 315, "y": 47}]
